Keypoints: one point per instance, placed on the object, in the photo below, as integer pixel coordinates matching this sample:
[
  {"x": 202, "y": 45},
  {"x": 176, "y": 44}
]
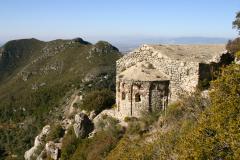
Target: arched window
[
  {"x": 123, "y": 85},
  {"x": 137, "y": 97},
  {"x": 123, "y": 95}
]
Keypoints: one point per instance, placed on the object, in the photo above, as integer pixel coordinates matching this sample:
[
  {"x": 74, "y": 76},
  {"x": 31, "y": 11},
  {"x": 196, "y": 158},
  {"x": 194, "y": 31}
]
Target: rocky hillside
[
  {"x": 197, "y": 126},
  {"x": 55, "y": 100},
  {"x": 38, "y": 79}
]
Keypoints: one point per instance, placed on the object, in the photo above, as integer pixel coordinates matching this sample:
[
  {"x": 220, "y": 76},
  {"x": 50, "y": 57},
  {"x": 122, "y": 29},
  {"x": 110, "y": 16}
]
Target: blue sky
[{"x": 116, "y": 19}]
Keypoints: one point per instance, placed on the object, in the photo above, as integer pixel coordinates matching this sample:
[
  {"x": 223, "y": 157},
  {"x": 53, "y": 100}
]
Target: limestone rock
[
  {"x": 42, "y": 155},
  {"x": 66, "y": 123},
  {"x": 39, "y": 141},
  {"x": 92, "y": 115},
  {"x": 237, "y": 60},
  {"x": 53, "y": 150},
  {"x": 83, "y": 125}
]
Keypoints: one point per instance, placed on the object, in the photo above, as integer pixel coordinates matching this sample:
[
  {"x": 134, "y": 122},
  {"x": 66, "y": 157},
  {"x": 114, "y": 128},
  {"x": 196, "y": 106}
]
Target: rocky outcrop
[
  {"x": 38, "y": 144},
  {"x": 113, "y": 112},
  {"x": 237, "y": 60},
  {"x": 83, "y": 125},
  {"x": 53, "y": 150},
  {"x": 66, "y": 123},
  {"x": 92, "y": 115}
]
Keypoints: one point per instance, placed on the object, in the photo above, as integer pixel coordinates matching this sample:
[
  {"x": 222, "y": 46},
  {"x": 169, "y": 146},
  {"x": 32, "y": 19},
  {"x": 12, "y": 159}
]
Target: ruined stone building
[{"x": 152, "y": 75}]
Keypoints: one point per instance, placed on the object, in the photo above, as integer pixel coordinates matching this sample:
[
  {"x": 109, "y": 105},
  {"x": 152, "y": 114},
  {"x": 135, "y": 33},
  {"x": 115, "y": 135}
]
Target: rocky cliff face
[
  {"x": 85, "y": 126},
  {"x": 38, "y": 143}
]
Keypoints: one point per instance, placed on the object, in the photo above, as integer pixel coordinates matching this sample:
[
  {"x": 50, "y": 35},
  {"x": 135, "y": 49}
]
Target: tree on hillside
[
  {"x": 234, "y": 45},
  {"x": 236, "y": 23}
]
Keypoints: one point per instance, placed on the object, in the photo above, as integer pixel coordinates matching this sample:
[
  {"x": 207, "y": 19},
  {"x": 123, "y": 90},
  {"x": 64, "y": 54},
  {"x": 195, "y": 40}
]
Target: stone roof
[
  {"x": 189, "y": 53},
  {"x": 142, "y": 72}
]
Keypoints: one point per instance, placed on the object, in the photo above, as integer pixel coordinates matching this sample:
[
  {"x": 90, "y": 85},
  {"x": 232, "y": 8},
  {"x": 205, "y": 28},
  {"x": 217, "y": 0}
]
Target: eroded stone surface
[
  {"x": 53, "y": 150},
  {"x": 38, "y": 143},
  {"x": 83, "y": 125}
]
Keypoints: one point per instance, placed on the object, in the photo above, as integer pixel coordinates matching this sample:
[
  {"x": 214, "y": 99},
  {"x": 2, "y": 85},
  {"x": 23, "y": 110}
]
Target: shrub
[
  {"x": 110, "y": 125},
  {"x": 174, "y": 112},
  {"x": 216, "y": 135},
  {"x": 96, "y": 148},
  {"x": 69, "y": 144},
  {"x": 130, "y": 119},
  {"x": 3, "y": 153},
  {"x": 56, "y": 132},
  {"x": 233, "y": 45},
  {"x": 134, "y": 128},
  {"x": 237, "y": 54},
  {"x": 75, "y": 105},
  {"x": 142, "y": 124},
  {"x": 98, "y": 100},
  {"x": 148, "y": 118},
  {"x": 128, "y": 148},
  {"x": 204, "y": 84}
]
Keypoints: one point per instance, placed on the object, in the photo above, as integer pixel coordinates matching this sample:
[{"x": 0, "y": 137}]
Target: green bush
[
  {"x": 216, "y": 135},
  {"x": 129, "y": 149},
  {"x": 98, "y": 100},
  {"x": 110, "y": 125},
  {"x": 233, "y": 46},
  {"x": 69, "y": 144},
  {"x": 134, "y": 128},
  {"x": 148, "y": 118},
  {"x": 237, "y": 54},
  {"x": 130, "y": 119},
  {"x": 3, "y": 153},
  {"x": 56, "y": 132},
  {"x": 96, "y": 148}
]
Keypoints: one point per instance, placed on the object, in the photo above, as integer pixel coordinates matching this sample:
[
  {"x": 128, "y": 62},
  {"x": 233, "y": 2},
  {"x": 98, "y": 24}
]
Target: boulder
[
  {"x": 53, "y": 150},
  {"x": 83, "y": 125}
]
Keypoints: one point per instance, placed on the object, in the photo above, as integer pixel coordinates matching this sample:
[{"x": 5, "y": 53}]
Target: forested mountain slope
[{"x": 36, "y": 79}]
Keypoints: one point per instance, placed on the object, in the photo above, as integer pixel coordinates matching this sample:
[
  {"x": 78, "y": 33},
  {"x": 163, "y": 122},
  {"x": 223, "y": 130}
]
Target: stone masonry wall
[
  {"x": 130, "y": 89},
  {"x": 135, "y": 97},
  {"x": 183, "y": 76}
]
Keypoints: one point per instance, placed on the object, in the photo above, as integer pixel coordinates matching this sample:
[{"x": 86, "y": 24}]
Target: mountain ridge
[{"x": 38, "y": 77}]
